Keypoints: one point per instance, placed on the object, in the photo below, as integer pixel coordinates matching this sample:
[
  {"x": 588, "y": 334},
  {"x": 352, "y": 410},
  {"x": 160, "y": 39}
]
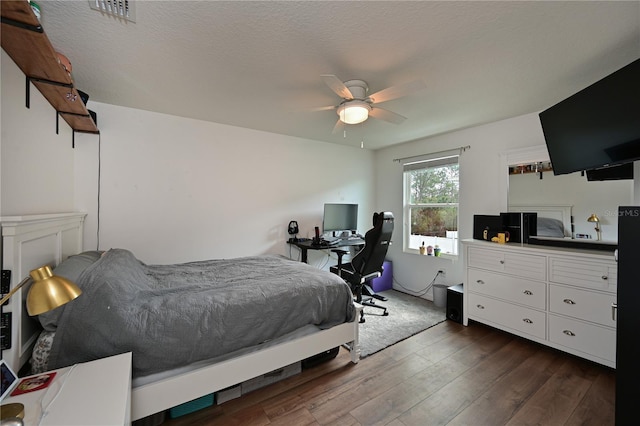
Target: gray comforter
[{"x": 173, "y": 315}]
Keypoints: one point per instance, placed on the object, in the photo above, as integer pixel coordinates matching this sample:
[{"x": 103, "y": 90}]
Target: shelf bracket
[
  {"x": 41, "y": 80},
  {"x": 14, "y": 23},
  {"x": 28, "y": 93}
]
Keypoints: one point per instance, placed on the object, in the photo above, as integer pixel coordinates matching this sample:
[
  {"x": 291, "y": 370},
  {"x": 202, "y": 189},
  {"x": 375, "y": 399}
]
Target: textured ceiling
[{"x": 258, "y": 64}]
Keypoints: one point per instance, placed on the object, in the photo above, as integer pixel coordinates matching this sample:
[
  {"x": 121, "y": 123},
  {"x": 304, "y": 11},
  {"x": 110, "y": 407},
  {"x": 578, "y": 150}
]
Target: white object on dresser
[
  {"x": 559, "y": 297},
  {"x": 90, "y": 393}
]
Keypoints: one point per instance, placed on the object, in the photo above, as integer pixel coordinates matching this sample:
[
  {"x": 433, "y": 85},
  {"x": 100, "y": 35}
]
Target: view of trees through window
[{"x": 432, "y": 200}]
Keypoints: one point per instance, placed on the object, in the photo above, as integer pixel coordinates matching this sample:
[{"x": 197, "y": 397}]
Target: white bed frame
[{"x": 32, "y": 241}]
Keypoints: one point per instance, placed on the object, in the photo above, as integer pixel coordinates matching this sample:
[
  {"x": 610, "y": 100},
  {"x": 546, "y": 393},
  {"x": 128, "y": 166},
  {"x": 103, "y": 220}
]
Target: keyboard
[{"x": 331, "y": 240}]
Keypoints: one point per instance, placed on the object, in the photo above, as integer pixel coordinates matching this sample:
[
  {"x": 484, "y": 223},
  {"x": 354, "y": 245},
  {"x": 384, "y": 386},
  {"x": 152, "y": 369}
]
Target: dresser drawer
[
  {"x": 522, "y": 265},
  {"x": 584, "y": 273},
  {"x": 519, "y": 318},
  {"x": 580, "y": 336},
  {"x": 510, "y": 288},
  {"x": 583, "y": 304}
]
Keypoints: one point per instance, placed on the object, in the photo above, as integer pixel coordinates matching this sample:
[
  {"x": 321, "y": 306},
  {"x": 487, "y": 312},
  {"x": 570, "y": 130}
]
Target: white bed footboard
[
  {"x": 29, "y": 242},
  {"x": 163, "y": 394}
]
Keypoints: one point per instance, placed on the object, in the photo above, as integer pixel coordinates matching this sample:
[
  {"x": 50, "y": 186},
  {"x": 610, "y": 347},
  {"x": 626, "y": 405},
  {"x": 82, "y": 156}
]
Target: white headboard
[
  {"x": 29, "y": 242},
  {"x": 562, "y": 213}
]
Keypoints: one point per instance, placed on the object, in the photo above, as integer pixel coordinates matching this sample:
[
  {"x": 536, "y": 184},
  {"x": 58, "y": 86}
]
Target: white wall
[
  {"x": 174, "y": 189},
  {"x": 482, "y": 189},
  {"x": 37, "y": 165}
]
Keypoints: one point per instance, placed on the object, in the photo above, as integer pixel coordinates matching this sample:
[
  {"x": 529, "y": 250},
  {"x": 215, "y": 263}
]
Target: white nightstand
[{"x": 91, "y": 393}]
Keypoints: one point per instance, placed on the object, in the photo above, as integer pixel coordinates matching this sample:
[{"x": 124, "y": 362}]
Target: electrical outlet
[{"x": 443, "y": 273}]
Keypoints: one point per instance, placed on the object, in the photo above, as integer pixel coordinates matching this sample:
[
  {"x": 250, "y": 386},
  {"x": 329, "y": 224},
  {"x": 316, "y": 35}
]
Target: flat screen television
[
  {"x": 617, "y": 172},
  {"x": 597, "y": 127},
  {"x": 340, "y": 217}
]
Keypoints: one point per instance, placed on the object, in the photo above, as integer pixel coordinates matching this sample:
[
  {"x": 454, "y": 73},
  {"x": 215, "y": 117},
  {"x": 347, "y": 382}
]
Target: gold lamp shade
[
  {"x": 49, "y": 291},
  {"x": 593, "y": 218}
]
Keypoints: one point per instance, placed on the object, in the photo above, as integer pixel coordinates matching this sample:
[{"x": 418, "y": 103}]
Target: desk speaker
[{"x": 454, "y": 303}]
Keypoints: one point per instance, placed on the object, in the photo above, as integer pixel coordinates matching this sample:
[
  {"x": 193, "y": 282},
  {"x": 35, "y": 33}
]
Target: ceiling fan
[{"x": 356, "y": 106}]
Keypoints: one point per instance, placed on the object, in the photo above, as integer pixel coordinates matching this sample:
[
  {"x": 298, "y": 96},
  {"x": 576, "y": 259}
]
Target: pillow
[
  {"x": 549, "y": 227},
  {"x": 70, "y": 268}
]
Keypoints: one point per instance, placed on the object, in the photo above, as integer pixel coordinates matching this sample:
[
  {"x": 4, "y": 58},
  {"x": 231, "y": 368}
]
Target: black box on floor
[
  {"x": 320, "y": 358},
  {"x": 454, "y": 303}
]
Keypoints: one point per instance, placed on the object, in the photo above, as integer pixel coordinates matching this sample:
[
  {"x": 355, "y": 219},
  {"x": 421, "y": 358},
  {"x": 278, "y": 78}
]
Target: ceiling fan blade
[
  {"x": 337, "y": 86},
  {"x": 386, "y": 115},
  {"x": 395, "y": 92},
  {"x": 338, "y": 127},
  {"x": 324, "y": 108}
]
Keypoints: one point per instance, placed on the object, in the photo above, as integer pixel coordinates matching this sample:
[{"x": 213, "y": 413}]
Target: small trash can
[{"x": 440, "y": 295}]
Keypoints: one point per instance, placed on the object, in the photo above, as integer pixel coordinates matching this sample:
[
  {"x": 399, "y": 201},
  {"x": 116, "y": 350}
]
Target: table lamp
[
  {"x": 595, "y": 219},
  {"x": 47, "y": 292}
]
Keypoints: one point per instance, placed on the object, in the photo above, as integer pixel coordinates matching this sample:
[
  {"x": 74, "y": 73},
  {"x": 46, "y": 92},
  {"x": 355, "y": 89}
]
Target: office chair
[{"x": 367, "y": 264}]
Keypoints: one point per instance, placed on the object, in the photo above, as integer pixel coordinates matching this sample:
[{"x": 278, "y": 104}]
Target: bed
[{"x": 173, "y": 371}]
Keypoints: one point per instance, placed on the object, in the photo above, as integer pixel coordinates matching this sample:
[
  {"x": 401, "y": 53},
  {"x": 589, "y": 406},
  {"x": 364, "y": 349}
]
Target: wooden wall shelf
[{"x": 26, "y": 43}]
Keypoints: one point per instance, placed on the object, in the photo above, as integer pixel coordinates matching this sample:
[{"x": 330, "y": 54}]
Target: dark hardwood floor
[{"x": 446, "y": 375}]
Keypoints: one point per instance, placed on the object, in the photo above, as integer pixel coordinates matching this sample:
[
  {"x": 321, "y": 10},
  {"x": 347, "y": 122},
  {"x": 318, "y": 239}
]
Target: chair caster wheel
[{"x": 386, "y": 314}]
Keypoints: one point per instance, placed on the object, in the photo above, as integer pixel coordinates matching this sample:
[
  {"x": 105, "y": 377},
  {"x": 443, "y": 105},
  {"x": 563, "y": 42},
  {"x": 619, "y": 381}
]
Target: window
[{"x": 431, "y": 187}]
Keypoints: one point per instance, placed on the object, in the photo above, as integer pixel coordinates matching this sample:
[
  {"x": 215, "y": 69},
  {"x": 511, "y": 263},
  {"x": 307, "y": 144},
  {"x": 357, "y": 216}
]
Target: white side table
[{"x": 90, "y": 393}]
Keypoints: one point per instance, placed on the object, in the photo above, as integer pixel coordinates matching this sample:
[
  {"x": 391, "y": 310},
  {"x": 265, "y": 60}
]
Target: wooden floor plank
[
  {"x": 393, "y": 403},
  {"x": 500, "y": 402},
  {"x": 445, "y": 404},
  {"x": 556, "y": 400},
  {"x": 446, "y": 375}
]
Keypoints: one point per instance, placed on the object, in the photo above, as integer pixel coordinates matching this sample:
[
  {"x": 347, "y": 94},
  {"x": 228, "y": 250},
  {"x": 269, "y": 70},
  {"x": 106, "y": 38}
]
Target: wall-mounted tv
[
  {"x": 597, "y": 127},
  {"x": 617, "y": 172},
  {"x": 340, "y": 217}
]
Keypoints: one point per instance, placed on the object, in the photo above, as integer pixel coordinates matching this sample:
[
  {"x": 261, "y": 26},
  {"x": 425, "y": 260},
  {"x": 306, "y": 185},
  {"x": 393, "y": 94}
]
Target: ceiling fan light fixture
[{"x": 354, "y": 112}]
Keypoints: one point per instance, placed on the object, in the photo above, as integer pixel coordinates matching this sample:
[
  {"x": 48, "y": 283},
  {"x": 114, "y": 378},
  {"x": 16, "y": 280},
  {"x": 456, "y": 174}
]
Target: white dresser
[{"x": 560, "y": 297}]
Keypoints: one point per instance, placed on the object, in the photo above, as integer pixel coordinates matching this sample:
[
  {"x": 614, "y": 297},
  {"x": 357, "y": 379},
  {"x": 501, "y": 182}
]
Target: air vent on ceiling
[{"x": 119, "y": 8}]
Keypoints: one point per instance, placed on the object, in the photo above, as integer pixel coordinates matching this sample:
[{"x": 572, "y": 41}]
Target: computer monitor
[{"x": 340, "y": 217}]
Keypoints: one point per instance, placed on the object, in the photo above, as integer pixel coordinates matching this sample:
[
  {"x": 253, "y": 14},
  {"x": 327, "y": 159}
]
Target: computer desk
[{"x": 305, "y": 246}]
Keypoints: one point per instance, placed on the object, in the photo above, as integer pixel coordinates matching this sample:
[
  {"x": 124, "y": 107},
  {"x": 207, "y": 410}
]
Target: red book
[{"x": 35, "y": 383}]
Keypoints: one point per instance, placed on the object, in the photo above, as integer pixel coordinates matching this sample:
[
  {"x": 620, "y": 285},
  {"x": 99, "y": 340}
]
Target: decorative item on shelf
[
  {"x": 422, "y": 248},
  {"x": 429, "y": 250},
  {"x": 595, "y": 219},
  {"x": 36, "y": 9},
  {"x": 64, "y": 62},
  {"x": 84, "y": 96},
  {"x": 436, "y": 251},
  {"x": 47, "y": 292},
  {"x": 538, "y": 167}
]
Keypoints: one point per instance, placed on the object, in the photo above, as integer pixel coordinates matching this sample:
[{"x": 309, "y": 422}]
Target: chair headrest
[{"x": 379, "y": 218}]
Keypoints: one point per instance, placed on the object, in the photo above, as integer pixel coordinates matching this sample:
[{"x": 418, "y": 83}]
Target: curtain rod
[{"x": 460, "y": 148}]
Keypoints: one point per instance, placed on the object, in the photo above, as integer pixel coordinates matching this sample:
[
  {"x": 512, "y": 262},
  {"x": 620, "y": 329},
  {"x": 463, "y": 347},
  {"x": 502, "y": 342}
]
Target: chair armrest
[
  {"x": 340, "y": 253},
  {"x": 369, "y": 277}
]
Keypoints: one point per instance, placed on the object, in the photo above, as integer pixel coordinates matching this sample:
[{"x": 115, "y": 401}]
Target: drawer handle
[
  {"x": 528, "y": 293},
  {"x": 480, "y": 282},
  {"x": 527, "y": 320},
  {"x": 614, "y": 311},
  {"x": 569, "y": 333},
  {"x": 604, "y": 277},
  {"x": 502, "y": 262},
  {"x": 480, "y": 306},
  {"x": 569, "y": 302}
]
